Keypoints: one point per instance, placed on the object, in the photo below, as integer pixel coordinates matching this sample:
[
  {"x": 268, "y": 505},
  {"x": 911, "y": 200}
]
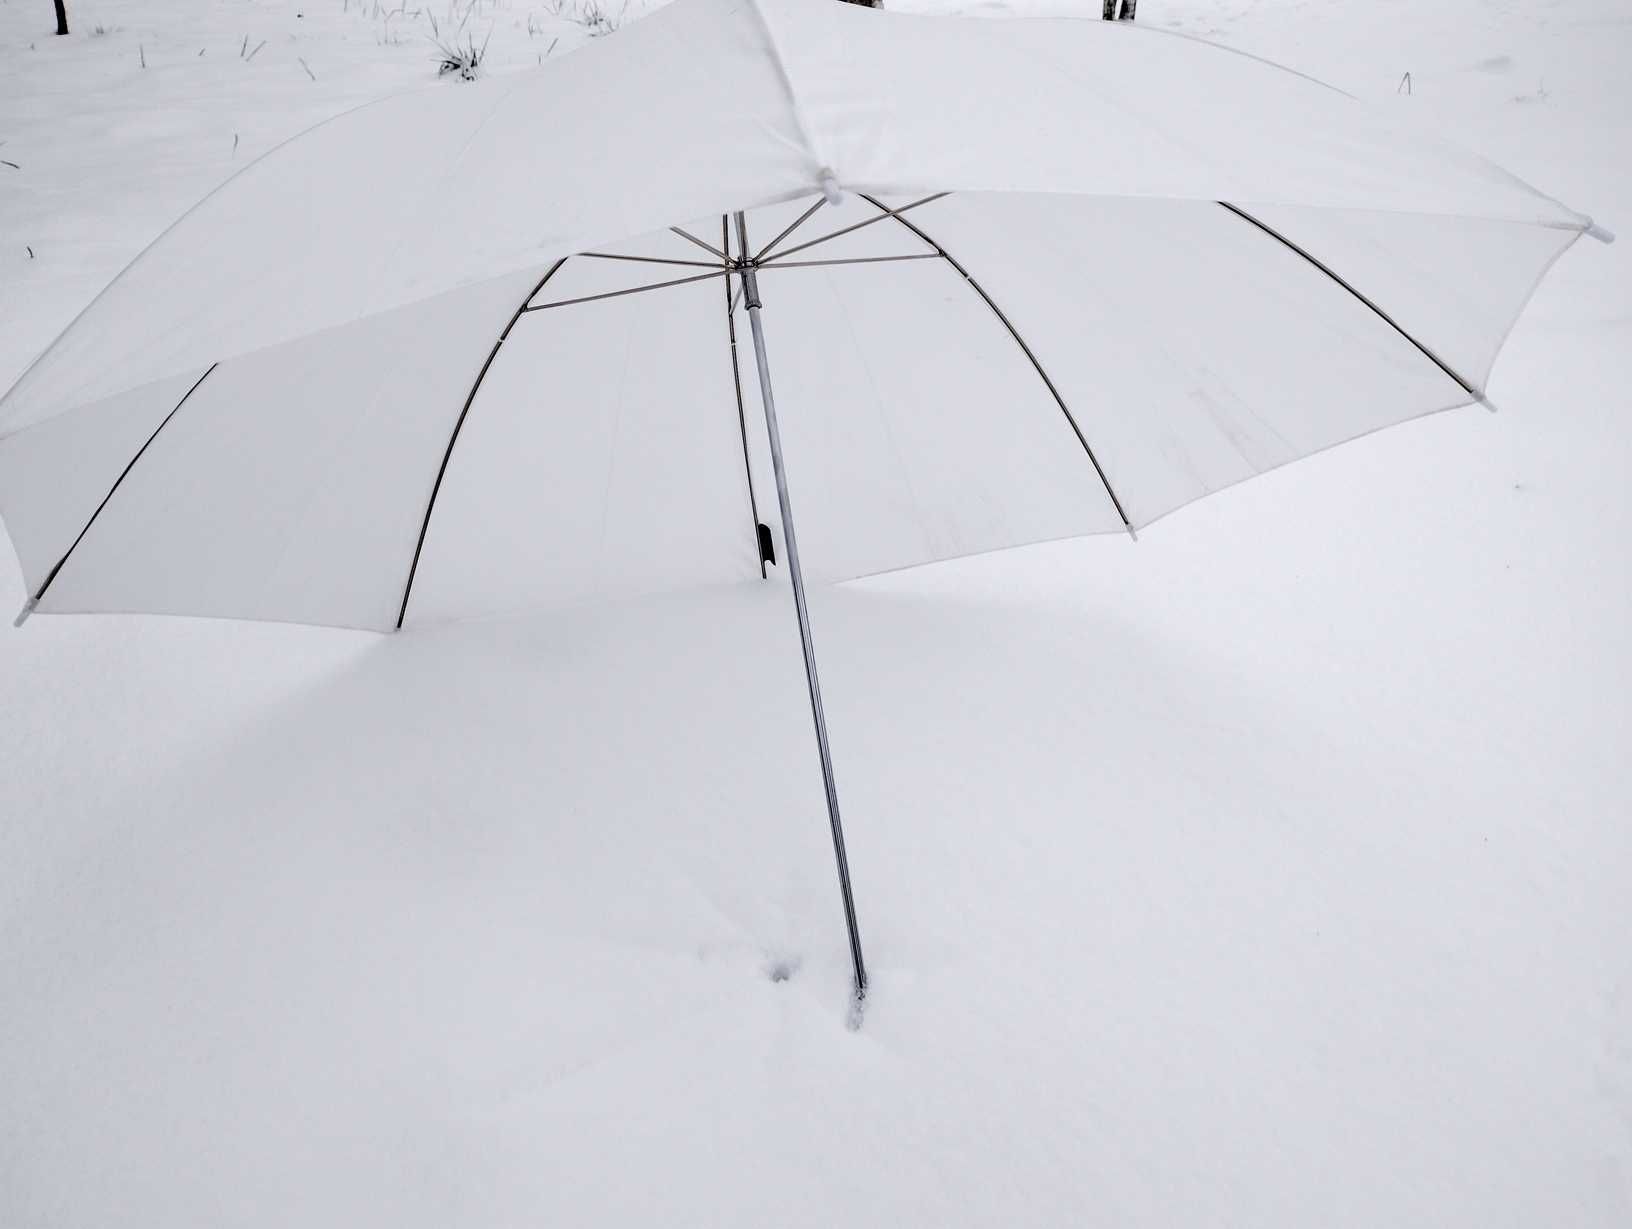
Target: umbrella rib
[
  {"x": 654, "y": 260},
  {"x": 130, "y": 465},
  {"x": 1024, "y": 348},
  {"x": 453, "y": 438},
  {"x": 792, "y": 226},
  {"x": 845, "y": 230},
  {"x": 707, "y": 247},
  {"x": 613, "y": 294},
  {"x": 1332, "y": 273},
  {"x": 736, "y": 380},
  {"x": 851, "y": 260}
]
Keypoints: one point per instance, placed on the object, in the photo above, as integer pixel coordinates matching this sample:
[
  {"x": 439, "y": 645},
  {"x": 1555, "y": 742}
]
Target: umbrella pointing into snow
[{"x": 477, "y": 350}]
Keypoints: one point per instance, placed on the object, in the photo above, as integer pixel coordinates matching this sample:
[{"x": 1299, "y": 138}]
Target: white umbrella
[{"x": 1031, "y": 279}]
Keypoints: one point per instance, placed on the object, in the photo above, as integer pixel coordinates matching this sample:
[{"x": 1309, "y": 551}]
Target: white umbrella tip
[
  {"x": 22, "y": 615},
  {"x": 830, "y": 188},
  {"x": 1600, "y": 233}
]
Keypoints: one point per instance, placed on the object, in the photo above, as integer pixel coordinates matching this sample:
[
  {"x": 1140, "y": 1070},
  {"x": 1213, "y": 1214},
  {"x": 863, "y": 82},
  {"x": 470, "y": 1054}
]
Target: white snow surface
[{"x": 1270, "y": 871}]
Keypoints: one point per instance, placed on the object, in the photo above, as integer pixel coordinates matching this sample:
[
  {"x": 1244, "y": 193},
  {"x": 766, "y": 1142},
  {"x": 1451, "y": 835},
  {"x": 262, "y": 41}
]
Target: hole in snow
[{"x": 782, "y": 968}]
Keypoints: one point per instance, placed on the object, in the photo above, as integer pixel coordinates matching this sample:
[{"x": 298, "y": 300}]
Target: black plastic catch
[{"x": 767, "y": 546}]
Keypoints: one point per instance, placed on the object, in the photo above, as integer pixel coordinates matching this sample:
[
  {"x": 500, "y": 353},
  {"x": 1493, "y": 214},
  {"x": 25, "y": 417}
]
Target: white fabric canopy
[{"x": 291, "y": 361}]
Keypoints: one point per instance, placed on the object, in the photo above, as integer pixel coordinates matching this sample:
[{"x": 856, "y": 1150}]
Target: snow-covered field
[{"x": 1272, "y": 871}]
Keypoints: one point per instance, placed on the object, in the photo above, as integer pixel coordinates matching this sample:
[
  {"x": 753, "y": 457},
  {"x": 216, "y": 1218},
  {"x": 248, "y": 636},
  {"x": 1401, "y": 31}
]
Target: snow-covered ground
[{"x": 1272, "y": 871}]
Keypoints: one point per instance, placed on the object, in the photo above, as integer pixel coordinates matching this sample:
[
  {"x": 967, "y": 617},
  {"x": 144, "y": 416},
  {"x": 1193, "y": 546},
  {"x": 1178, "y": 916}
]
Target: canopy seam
[{"x": 800, "y": 120}]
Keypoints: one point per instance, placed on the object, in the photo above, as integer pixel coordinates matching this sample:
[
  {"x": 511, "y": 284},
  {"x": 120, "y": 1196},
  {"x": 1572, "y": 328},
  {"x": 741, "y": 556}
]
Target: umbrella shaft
[{"x": 751, "y": 298}]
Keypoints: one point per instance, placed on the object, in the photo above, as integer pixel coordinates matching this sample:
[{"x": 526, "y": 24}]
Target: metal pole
[{"x": 750, "y": 285}]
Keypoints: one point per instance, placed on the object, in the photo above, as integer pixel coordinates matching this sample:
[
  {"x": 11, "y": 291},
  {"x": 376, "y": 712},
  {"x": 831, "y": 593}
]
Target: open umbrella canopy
[{"x": 1043, "y": 278}]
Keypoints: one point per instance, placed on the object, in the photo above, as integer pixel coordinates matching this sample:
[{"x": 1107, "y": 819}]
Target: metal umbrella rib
[
  {"x": 707, "y": 247},
  {"x": 855, "y": 226},
  {"x": 618, "y": 294},
  {"x": 654, "y": 260},
  {"x": 28, "y": 606},
  {"x": 1018, "y": 339},
  {"x": 453, "y": 437},
  {"x": 789, "y": 229},
  {"x": 849, "y": 260},
  {"x": 1332, "y": 273}
]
